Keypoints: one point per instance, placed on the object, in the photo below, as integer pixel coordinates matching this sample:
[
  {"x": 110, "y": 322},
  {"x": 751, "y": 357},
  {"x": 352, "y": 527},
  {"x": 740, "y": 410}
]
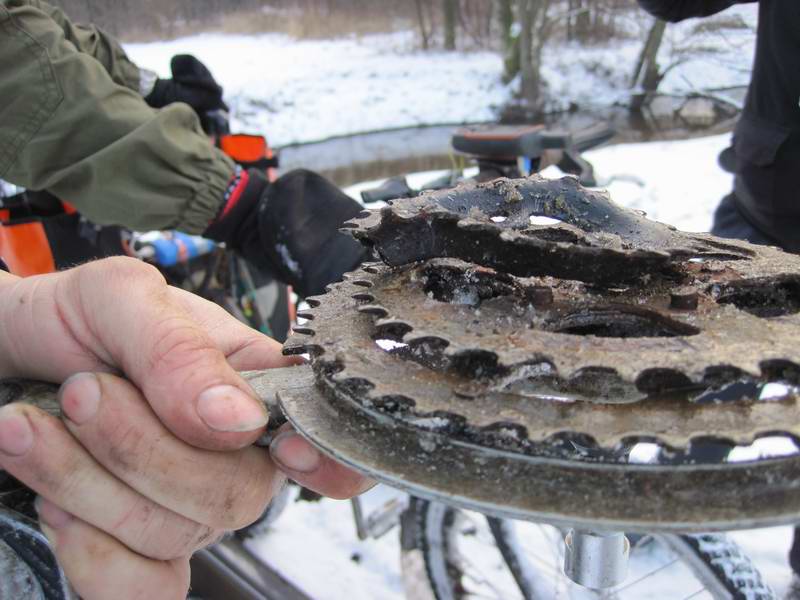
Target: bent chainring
[
  {"x": 568, "y": 342},
  {"x": 484, "y": 349}
]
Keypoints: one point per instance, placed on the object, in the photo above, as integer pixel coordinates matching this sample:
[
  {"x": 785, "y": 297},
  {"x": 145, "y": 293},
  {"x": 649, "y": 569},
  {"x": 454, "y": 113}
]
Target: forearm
[
  {"x": 70, "y": 129},
  {"x": 89, "y": 40},
  {"x": 13, "y": 298},
  {"x": 677, "y": 10}
]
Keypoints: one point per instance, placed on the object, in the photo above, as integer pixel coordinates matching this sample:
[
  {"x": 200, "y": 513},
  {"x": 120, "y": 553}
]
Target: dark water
[{"x": 351, "y": 159}]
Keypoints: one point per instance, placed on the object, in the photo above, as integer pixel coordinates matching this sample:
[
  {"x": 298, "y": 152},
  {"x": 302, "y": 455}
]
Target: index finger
[{"x": 164, "y": 351}]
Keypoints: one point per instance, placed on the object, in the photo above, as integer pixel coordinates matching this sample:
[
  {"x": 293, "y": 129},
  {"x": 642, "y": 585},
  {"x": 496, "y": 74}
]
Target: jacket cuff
[{"x": 209, "y": 197}]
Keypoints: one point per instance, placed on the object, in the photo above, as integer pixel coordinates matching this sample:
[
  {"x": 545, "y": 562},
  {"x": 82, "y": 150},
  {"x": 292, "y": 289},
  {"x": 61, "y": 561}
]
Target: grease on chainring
[{"x": 566, "y": 341}]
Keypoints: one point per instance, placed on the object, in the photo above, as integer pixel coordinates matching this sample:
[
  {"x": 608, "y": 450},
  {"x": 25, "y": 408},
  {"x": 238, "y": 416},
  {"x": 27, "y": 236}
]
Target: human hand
[
  {"x": 191, "y": 83},
  {"x": 142, "y": 471}
]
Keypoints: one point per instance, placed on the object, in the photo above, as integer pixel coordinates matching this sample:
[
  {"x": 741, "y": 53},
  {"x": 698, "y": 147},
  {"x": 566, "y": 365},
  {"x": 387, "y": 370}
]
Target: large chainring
[{"x": 564, "y": 344}]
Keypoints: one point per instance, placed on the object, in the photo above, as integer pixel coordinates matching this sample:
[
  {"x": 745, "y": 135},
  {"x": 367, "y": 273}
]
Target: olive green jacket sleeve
[
  {"x": 92, "y": 41},
  {"x": 71, "y": 123}
]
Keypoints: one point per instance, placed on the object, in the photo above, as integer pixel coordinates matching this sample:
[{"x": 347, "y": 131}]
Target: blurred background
[{"x": 553, "y": 55}]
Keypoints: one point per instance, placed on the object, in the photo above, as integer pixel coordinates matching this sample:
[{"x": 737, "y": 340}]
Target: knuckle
[
  {"x": 178, "y": 344},
  {"x": 127, "y": 446},
  {"x": 158, "y": 533},
  {"x": 244, "y": 496},
  {"x": 125, "y": 267}
]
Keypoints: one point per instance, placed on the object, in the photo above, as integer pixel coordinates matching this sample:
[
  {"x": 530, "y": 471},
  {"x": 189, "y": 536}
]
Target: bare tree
[
  {"x": 424, "y": 30},
  {"x": 510, "y": 36},
  {"x": 450, "y": 10},
  {"x": 646, "y": 74},
  {"x": 533, "y": 35}
]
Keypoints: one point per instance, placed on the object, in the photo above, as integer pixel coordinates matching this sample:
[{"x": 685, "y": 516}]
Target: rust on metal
[{"x": 601, "y": 326}]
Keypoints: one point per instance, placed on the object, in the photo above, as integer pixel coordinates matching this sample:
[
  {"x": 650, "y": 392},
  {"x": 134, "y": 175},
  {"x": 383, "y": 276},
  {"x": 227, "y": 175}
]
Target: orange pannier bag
[
  {"x": 24, "y": 247},
  {"x": 35, "y": 239},
  {"x": 250, "y": 151}
]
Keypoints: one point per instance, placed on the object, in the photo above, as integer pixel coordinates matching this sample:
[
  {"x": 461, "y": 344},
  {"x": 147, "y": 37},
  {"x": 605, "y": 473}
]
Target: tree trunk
[
  {"x": 583, "y": 21},
  {"x": 423, "y": 29},
  {"x": 646, "y": 75},
  {"x": 533, "y": 33},
  {"x": 510, "y": 41},
  {"x": 450, "y": 19}
]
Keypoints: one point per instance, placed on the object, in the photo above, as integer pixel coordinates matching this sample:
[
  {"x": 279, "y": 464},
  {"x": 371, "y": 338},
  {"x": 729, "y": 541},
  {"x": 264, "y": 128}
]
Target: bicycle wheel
[{"x": 451, "y": 554}]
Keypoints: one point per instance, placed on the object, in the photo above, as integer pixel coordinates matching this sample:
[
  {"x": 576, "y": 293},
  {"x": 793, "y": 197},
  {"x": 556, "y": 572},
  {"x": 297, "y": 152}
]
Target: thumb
[{"x": 163, "y": 350}]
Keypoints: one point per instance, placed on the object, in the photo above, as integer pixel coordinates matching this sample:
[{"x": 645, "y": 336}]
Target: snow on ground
[
  {"x": 304, "y": 90},
  {"x": 679, "y": 183},
  {"x": 309, "y": 90},
  {"x": 710, "y": 59},
  {"x": 704, "y": 59},
  {"x": 315, "y": 546}
]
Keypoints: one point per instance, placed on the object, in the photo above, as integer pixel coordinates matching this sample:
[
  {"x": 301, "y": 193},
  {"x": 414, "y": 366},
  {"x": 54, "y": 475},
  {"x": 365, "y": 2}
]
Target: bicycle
[{"x": 431, "y": 531}]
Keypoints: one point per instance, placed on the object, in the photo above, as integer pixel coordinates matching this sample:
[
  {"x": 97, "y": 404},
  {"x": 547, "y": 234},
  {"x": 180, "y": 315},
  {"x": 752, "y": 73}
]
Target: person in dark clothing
[{"x": 764, "y": 207}]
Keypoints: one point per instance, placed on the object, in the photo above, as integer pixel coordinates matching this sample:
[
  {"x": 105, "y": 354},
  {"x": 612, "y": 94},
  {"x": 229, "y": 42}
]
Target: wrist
[
  {"x": 234, "y": 192},
  {"x": 11, "y": 298},
  {"x": 237, "y": 220},
  {"x": 159, "y": 94}
]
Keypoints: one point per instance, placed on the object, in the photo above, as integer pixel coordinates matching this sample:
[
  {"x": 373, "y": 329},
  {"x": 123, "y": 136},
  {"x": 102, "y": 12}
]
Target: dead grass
[
  {"x": 299, "y": 24},
  {"x": 312, "y": 23},
  {"x": 158, "y": 32},
  {"x": 721, "y": 23}
]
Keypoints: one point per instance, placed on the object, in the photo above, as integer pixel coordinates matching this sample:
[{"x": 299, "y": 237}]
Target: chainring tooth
[{"x": 550, "y": 330}]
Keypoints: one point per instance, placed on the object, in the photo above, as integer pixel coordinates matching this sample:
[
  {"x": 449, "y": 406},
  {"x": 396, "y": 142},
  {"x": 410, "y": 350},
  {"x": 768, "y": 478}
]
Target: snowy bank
[{"x": 304, "y": 90}]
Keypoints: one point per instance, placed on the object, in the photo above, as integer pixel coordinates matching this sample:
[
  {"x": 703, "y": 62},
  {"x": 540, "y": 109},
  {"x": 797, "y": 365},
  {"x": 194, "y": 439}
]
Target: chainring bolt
[{"x": 684, "y": 299}]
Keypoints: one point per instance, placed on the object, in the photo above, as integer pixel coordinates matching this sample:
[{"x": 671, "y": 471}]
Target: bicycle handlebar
[
  {"x": 592, "y": 136},
  {"x": 509, "y": 142}
]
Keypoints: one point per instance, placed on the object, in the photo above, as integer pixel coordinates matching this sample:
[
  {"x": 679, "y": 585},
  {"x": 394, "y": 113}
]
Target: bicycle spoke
[
  {"x": 523, "y": 560},
  {"x": 482, "y": 581},
  {"x": 647, "y": 575}
]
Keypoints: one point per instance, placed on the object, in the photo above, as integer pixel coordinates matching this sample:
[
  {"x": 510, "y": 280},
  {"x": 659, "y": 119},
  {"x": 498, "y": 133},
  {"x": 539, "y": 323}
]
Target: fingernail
[
  {"x": 16, "y": 435},
  {"x": 294, "y": 453},
  {"x": 227, "y": 408},
  {"x": 50, "y": 514},
  {"x": 79, "y": 397}
]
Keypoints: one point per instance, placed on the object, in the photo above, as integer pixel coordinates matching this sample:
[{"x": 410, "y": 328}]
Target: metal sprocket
[
  {"x": 496, "y": 349},
  {"x": 466, "y": 393}
]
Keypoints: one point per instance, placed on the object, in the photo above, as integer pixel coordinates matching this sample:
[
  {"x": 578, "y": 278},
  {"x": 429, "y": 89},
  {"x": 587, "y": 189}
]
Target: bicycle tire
[
  {"x": 717, "y": 560},
  {"x": 430, "y": 557}
]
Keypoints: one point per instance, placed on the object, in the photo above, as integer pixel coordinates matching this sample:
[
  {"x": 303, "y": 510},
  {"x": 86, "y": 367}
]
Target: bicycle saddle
[{"x": 509, "y": 141}]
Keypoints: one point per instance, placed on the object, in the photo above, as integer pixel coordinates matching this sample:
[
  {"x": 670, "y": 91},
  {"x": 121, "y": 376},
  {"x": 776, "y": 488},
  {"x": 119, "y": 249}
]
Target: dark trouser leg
[
  {"x": 729, "y": 222},
  {"x": 794, "y": 553}
]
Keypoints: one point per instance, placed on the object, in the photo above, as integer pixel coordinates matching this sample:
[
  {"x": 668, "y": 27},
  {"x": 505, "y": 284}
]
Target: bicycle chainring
[{"x": 568, "y": 342}]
